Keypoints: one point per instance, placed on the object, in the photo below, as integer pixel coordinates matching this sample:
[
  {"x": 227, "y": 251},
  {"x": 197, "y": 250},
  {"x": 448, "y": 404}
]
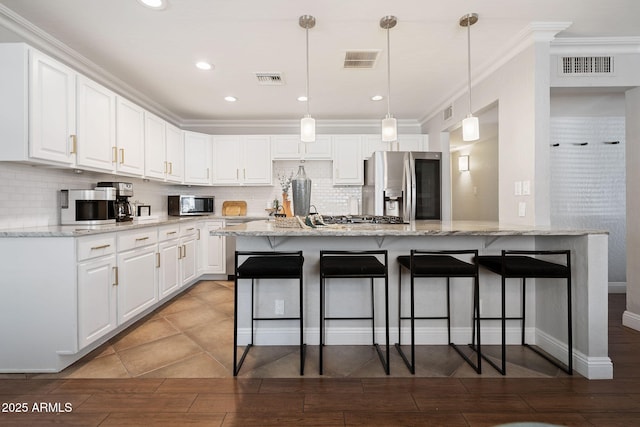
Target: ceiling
[{"x": 155, "y": 51}]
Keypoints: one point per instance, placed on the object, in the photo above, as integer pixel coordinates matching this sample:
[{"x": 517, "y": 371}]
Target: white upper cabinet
[
  {"x": 52, "y": 110},
  {"x": 242, "y": 160},
  {"x": 348, "y": 165},
  {"x": 129, "y": 153},
  {"x": 163, "y": 149},
  {"x": 175, "y": 154},
  {"x": 289, "y": 147},
  {"x": 96, "y": 115},
  {"x": 197, "y": 158}
]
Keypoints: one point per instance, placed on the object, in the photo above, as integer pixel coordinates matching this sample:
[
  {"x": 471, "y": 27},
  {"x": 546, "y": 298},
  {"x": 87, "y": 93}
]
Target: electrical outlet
[
  {"x": 279, "y": 306},
  {"x": 522, "y": 209}
]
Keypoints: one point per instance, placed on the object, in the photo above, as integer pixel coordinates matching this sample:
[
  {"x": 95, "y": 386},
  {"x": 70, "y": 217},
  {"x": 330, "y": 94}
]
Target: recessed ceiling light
[
  {"x": 203, "y": 65},
  {"x": 377, "y": 98},
  {"x": 154, "y": 4},
  {"x": 230, "y": 98},
  {"x": 302, "y": 98}
]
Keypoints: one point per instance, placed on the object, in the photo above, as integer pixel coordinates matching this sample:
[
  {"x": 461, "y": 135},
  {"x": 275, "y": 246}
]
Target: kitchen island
[{"x": 546, "y": 301}]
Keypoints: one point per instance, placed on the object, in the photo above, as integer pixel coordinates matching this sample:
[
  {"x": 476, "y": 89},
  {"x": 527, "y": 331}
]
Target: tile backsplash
[{"x": 29, "y": 194}]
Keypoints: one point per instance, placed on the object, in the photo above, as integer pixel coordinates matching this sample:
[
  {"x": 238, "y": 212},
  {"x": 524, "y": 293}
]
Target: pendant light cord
[
  {"x": 469, "y": 58},
  {"x": 307, "y": 33},
  {"x": 388, "y": 76}
]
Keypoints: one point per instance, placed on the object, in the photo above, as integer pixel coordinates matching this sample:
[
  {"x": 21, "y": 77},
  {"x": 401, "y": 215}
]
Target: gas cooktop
[{"x": 361, "y": 219}]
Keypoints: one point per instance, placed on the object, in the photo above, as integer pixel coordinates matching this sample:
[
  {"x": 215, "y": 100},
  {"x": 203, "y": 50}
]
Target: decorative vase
[
  {"x": 286, "y": 205},
  {"x": 301, "y": 186}
]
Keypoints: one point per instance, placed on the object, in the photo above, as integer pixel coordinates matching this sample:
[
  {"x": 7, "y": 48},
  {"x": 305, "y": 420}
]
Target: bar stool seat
[
  {"x": 522, "y": 265},
  {"x": 425, "y": 264},
  {"x": 267, "y": 265},
  {"x": 355, "y": 264}
]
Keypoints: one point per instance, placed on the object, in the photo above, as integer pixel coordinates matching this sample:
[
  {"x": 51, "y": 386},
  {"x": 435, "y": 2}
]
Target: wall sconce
[{"x": 463, "y": 163}]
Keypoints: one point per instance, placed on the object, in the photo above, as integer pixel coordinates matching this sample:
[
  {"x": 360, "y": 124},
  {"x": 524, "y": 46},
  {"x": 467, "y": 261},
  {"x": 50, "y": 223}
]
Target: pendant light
[
  {"x": 470, "y": 125},
  {"x": 389, "y": 124},
  {"x": 307, "y": 123}
]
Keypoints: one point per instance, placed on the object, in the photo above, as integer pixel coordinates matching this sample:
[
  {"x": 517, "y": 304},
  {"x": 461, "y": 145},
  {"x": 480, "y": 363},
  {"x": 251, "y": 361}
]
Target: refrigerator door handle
[{"x": 408, "y": 213}]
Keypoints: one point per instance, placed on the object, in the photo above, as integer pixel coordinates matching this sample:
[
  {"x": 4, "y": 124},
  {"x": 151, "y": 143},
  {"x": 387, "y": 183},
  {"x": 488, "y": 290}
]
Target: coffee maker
[{"x": 120, "y": 208}]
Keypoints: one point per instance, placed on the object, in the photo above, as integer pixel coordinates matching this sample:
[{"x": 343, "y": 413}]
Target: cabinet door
[
  {"x": 286, "y": 147},
  {"x": 175, "y": 154},
  {"x": 188, "y": 259},
  {"x": 52, "y": 109},
  {"x": 129, "y": 137},
  {"x": 227, "y": 163},
  {"x": 212, "y": 249},
  {"x": 348, "y": 165},
  {"x": 155, "y": 158},
  {"x": 318, "y": 150},
  {"x": 414, "y": 142},
  {"x": 257, "y": 166},
  {"x": 169, "y": 268},
  {"x": 137, "y": 286},
  {"x": 373, "y": 143},
  {"x": 197, "y": 158},
  {"x": 97, "y": 299},
  {"x": 96, "y": 125}
]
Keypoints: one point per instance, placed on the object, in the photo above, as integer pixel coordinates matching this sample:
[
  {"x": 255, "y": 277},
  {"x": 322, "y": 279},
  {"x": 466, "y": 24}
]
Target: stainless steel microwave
[
  {"x": 86, "y": 207},
  {"x": 190, "y": 205}
]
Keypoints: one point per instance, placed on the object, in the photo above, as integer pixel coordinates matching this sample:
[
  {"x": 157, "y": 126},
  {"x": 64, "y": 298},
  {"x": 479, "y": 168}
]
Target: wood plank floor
[{"x": 414, "y": 401}]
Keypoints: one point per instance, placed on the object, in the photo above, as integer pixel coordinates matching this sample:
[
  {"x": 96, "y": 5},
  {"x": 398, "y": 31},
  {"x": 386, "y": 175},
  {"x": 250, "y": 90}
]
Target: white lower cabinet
[
  {"x": 168, "y": 260},
  {"x": 188, "y": 253},
  {"x": 211, "y": 249},
  {"x": 137, "y": 272},
  {"x": 97, "y": 299}
]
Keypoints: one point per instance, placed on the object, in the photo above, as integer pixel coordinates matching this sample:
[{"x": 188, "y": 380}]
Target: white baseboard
[
  {"x": 631, "y": 320},
  {"x": 617, "y": 287}
]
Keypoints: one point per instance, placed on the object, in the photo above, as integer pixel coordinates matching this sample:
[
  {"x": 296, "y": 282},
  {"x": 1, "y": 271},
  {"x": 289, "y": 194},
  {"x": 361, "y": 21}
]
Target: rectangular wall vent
[
  {"x": 270, "y": 79},
  {"x": 360, "y": 58},
  {"x": 448, "y": 112},
  {"x": 586, "y": 65}
]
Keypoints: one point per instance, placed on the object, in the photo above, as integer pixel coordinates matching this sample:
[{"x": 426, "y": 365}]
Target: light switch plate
[
  {"x": 518, "y": 188},
  {"x": 526, "y": 188},
  {"x": 522, "y": 209}
]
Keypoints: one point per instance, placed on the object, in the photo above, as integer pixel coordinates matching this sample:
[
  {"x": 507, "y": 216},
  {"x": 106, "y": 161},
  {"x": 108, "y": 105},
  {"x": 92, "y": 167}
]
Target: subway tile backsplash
[{"x": 29, "y": 194}]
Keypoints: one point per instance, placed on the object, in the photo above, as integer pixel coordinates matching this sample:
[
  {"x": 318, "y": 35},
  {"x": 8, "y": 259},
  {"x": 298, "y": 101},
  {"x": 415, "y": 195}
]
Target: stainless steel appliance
[
  {"x": 86, "y": 207},
  {"x": 120, "y": 208},
  {"x": 190, "y": 205},
  {"x": 406, "y": 184}
]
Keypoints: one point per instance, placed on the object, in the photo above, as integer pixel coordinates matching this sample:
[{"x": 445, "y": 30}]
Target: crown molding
[
  {"x": 41, "y": 40},
  {"x": 595, "y": 45},
  {"x": 535, "y": 32}
]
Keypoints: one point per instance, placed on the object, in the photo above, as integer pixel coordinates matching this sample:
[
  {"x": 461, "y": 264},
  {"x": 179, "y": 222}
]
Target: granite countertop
[
  {"x": 268, "y": 228},
  {"x": 83, "y": 230}
]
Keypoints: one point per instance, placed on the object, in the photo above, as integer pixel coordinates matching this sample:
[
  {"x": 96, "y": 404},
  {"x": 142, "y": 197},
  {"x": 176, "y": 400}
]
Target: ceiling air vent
[
  {"x": 360, "y": 58},
  {"x": 447, "y": 113},
  {"x": 270, "y": 79},
  {"x": 586, "y": 65}
]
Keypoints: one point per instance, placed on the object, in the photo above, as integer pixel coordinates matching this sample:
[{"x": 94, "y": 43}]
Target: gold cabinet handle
[
  {"x": 122, "y": 156},
  {"x": 140, "y": 239},
  {"x": 190, "y": 228},
  {"x": 170, "y": 168},
  {"x": 74, "y": 144},
  {"x": 171, "y": 232},
  {"x": 157, "y": 259},
  {"x": 115, "y": 274},
  {"x": 198, "y": 234},
  {"x": 95, "y": 248},
  {"x": 179, "y": 252},
  {"x": 165, "y": 166},
  {"x": 184, "y": 255},
  {"x": 114, "y": 155}
]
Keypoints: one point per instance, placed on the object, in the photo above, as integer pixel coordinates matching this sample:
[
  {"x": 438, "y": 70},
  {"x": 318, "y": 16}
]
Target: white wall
[{"x": 29, "y": 194}]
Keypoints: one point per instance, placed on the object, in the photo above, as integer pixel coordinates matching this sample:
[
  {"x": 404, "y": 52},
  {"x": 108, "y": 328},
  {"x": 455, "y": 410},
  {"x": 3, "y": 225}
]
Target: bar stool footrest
[
  {"x": 476, "y": 366},
  {"x": 411, "y": 368},
  {"x": 236, "y": 369},
  {"x": 550, "y": 359}
]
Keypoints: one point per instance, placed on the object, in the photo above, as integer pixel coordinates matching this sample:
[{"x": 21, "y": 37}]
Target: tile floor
[{"x": 192, "y": 337}]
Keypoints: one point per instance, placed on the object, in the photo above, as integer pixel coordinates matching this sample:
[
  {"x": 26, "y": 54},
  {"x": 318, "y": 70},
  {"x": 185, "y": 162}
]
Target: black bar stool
[
  {"x": 522, "y": 265},
  {"x": 266, "y": 265},
  {"x": 355, "y": 264},
  {"x": 438, "y": 264}
]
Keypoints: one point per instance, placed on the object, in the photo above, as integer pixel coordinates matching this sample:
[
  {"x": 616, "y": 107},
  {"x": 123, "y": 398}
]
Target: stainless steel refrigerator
[{"x": 407, "y": 184}]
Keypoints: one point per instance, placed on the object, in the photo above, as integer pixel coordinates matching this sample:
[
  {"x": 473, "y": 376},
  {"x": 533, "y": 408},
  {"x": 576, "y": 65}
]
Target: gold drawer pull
[
  {"x": 142, "y": 238},
  {"x": 95, "y": 248},
  {"x": 115, "y": 273}
]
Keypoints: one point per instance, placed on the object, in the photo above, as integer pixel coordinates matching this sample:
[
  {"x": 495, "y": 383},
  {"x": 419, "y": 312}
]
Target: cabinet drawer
[
  {"x": 137, "y": 239},
  {"x": 188, "y": 229},
  {"x": 95, "y": 246},
  {"x": 168, "y": 232}
]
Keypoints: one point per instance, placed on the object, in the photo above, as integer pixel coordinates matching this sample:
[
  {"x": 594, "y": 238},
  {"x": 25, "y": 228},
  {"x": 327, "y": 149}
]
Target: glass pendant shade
[
  {"x": 389, "y": 129},
  {"x": 470, "y": 128},
  {"x": 307, "y": 129}
]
